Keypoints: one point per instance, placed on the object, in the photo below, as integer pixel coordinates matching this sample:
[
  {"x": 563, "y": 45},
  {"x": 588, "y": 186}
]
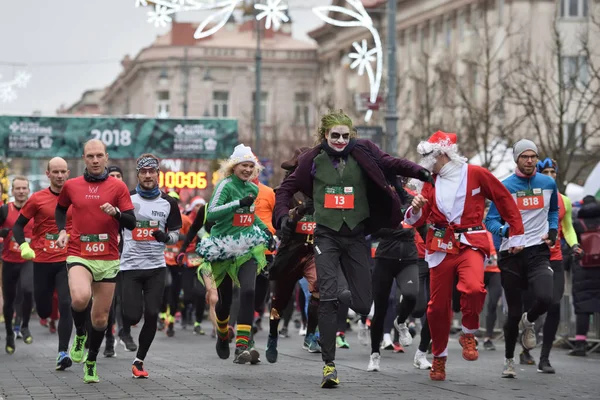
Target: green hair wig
[{"x": 331, "y": 119}]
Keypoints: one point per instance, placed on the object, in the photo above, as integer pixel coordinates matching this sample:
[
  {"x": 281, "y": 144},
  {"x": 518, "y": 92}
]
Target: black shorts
[{"x": 528, "y": 264}]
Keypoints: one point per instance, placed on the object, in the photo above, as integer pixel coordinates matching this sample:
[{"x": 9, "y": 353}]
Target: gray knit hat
[{"x": 522, "y": 146}]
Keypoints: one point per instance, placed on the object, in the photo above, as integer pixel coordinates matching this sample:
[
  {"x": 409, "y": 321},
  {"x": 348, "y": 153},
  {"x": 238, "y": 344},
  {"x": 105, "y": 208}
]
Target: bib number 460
[{"x": 95, "y": 247}]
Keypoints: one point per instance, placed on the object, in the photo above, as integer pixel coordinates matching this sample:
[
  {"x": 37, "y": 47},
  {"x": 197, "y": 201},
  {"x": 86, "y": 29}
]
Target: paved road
[{"x": 186, "y": 366}]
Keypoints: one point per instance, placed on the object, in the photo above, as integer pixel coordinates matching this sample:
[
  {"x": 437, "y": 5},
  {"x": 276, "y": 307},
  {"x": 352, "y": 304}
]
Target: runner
[
  {"x": 456, "y": 241},
  {"x": 101, "y": 204},
  {"x": 143, "y": 267},
  {"x": 49, "y": 266},
  {"x": 234, "y": 251},
  {"x": 536, "y": 197},
  {"x": 549, "y": 168},
  {"x": 294, "y": 260},
  {"x": 346, "y": 178},
  {"x": 16, "y": 271}
]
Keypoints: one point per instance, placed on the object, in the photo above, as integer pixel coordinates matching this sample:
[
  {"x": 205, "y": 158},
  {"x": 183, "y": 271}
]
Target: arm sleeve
[
  {"x": 194, "y": 229},
  {"x": 18, "y": 229},
  {"x": 218, "y": 207},
  {"x": 504, "y": 208},
  {"x": 398, "y": 166},
  {"x": 567, "y": 223},
  {"x": 124, "y": 200},
  {"x": 284, "y": 194},
  {"x": 127, "y": 219},
  {"x": 3, "y": 213},
  {"x": 60, "y": 215},
  {"x": 553, "y": 210},
  {"x": 64, "y": 199},
  {"x": 174, "y": 222}
]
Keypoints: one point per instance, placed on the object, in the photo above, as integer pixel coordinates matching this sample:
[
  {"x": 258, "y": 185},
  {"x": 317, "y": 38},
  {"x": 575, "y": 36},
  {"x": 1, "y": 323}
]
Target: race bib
[
  {"x": 94, "y": 245},
  {"x": 50, "y": 244},
  {"x": 374, "y": 246},
  {"x": 530, "y": 199},
  {"x": 143, "y": 230},
  {"x": 193, "y": 259},
  {"x": 339, "y": 197},
  {"x": 443, "y": 240},
  {"x": 243, "y": 218},
  {"x": 171, "y": 256},
  {"x": 306, "y": 225}
]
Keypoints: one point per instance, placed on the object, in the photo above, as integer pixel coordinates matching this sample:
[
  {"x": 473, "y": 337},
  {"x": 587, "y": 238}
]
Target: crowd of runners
[{"x": 348, "y": 228}]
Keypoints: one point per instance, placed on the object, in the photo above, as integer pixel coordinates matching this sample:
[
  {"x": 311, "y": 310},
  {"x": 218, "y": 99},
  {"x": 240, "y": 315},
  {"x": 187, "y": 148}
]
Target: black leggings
[
  {"x": 194, "y": 293},
  {"x": 46, "y": 278},
  {"x": 20, "y": 274},
  {"x": 176, "y": 272},
  {"x": 582, "y": 324},
  {"x": 141, "y": 292},
  {"x": 420, "y": 310},
  {"x": 553, "y": 315},
  {"x": 247, "y": 279},
  {"x": 407, "y": 280},
  {"x": 493, "y": 285},
  {"x": 527, "y": 270}
]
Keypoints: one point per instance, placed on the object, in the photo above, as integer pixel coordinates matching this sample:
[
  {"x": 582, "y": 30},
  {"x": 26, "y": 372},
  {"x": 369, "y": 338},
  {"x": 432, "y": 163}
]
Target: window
[
  {"x": 263, "y": 105},
  {"x": 575, "y": 70},
  {"x": 574, "y": 135},
  {"x": 302, "y": 108},
  {"x": 162, "y": 104},
  {"x": 574, "y": 8},
  {"x": 220, "y": 104}
]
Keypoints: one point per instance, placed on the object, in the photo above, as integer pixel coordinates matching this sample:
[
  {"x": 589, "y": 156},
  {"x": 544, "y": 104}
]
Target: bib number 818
[
  {"x": 115, "y": 137},
  {"x": 531, "y": 201}
]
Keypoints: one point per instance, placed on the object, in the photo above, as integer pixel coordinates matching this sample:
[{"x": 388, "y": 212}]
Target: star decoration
[
  {"x": 363, "y": 57},
  {"x": 160, "y": 16},
  {"x": 273, "y": 11}
]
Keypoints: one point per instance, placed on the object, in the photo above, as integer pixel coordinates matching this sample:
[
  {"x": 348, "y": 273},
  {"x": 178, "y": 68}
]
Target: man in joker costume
[
  {"x": 456, "y": 242},
  {"x": 346, "y": 178}
]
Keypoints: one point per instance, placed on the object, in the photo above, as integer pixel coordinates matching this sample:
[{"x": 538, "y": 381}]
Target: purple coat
[{"x": 384, "y": 203}]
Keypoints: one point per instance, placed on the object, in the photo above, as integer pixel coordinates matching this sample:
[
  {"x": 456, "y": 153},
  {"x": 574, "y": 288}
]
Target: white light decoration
[
  {"x": 7, "y": 89},
  {"x": 363, "y": 57},
  {"x": 273, "y": 11}
]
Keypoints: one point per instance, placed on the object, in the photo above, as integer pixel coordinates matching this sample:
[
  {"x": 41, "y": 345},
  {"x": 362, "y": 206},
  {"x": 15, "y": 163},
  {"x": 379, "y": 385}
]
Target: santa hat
[
  {"x": 439, "y": 143},
  {"x": 195, "y": 201},
  {"x": 242, "y": 154}
]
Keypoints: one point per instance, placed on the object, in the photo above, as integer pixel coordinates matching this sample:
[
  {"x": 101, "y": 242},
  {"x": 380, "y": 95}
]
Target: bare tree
[{"x": 559, "y": 96}]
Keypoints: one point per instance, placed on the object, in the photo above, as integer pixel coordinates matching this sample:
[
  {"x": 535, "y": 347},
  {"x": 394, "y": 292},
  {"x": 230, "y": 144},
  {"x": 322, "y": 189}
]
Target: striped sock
[
  {"x": 223, "y": 328},
  {"x": 243, "y": 335}
]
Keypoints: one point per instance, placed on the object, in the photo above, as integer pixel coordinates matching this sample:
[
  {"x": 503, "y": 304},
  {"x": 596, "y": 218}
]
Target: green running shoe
[
  {"x": 78, "y": 348},
  {"x": 90, "y": 375},
  {"x": 341, "y": 341}
]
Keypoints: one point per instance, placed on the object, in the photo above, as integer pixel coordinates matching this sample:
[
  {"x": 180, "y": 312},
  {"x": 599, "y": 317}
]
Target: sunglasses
[{"x": 336, "y": 135}]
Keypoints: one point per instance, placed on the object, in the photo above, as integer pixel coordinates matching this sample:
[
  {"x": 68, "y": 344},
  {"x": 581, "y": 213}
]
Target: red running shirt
[
  {"x": 40, "y": 208},
  {"x": 11, "y": 251},
  {"x": 100, "y": 231}
]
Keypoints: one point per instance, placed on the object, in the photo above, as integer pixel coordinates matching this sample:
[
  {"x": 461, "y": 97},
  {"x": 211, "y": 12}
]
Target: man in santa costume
[{"x": 457, "y": 243}]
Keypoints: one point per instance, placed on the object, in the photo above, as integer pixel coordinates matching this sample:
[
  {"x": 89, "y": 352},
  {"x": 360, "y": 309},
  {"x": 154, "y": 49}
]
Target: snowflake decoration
[
  {"x": 358, "y": 17},
  {"x": 160, "y": 16},
  {"x": 8, "y": 93},
  {"x": 273, "y": 11}
]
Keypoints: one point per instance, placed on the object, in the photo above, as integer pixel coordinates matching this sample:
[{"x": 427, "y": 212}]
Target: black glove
[
  {"x": 552, "y": 235},
  {"x": 425, "y": 176},
  {"x": 4, "y": 232},
  {"x": 271, "y": 245},
  {"x": 247, "y": 201},
  {"x": 578, "y": 252},
  {"x": 506, "y": 232},
  {"x": 160, "y": 236},
  {"x": 180, "y": 259},
  {"x": 307, "y": 207},
  {"x": 287, "y": 228}
]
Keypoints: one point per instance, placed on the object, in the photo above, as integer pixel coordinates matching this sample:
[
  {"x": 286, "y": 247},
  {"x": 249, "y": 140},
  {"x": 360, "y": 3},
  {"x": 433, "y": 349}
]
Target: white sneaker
[
  {"x": 528, "y": 339},
  {"x": 386, "y": 343},
  {"x": 405, "y": 337},
  {"x": 374, "y": 362},
  {"x": 420, "y": 361},
  {"x": 509, "y": 368},
  {"x": 302, "y": 331},
  {"x": 363, "y": 334}
]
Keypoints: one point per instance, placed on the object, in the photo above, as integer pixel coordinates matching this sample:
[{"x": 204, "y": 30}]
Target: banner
[
  {"x": 373, "y": 133},
  {"x": 46, "y": 137}
]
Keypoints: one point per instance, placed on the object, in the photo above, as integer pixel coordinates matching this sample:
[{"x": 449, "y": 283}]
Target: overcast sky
[{"x": 69, "y": 46}]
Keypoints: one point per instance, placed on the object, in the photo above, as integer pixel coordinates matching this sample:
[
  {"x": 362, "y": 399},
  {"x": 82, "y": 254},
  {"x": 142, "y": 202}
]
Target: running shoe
[
  {"x": 545, "y": 367},
  {"x": 302, "y": 331},
  {"x": 525, "y": 358},
  {"x": 284, "y": 333},
  {"x": 311, "y": 344},
  {"x": 341, "y": 341},
  {"x": 405, "y": 336},
  {"x": 138, "y": 371},
  {"x": 469, "y": 345},
  {"x": 78, "y": 348},
  {"x": 363, "y": 334},
  {"x": 63, "y": 361},
  {"x": 386, "y": 343},
  {"x": 128, "y": 343},
  {"x": 374, "y": 362},
  {"x": 579, "y": 350},
  {"x": 438, "y": 369},
  {"x": 254, "y": 354},
  {"x": 330, "y": 378},
  {"x": 398, "y": 347},
  {"x": 10, "y": 346},
  {"x": 198, "y": 329},
  {"x": 271, "y": 351},
  {"x": 52, "y": 326},
  {"x": 27, "y": 338},
  {"x": 223, "y": 348},
  {"x": 90, "y": 375},
  {"x": 171, "y": 329},
  {"x": 109, "y": 347},
  {"x": 160, "y": 326},
  {"x": 242, "y": 355},
  {"x": 44, "y": 322},
  {"x": 17, "y": 330},
  {"x": 489, "y": 345},
  {"x": 420, "y": 361},
  {"x": 509, "y": 368},
  {"x": 528, "y": 337}
]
